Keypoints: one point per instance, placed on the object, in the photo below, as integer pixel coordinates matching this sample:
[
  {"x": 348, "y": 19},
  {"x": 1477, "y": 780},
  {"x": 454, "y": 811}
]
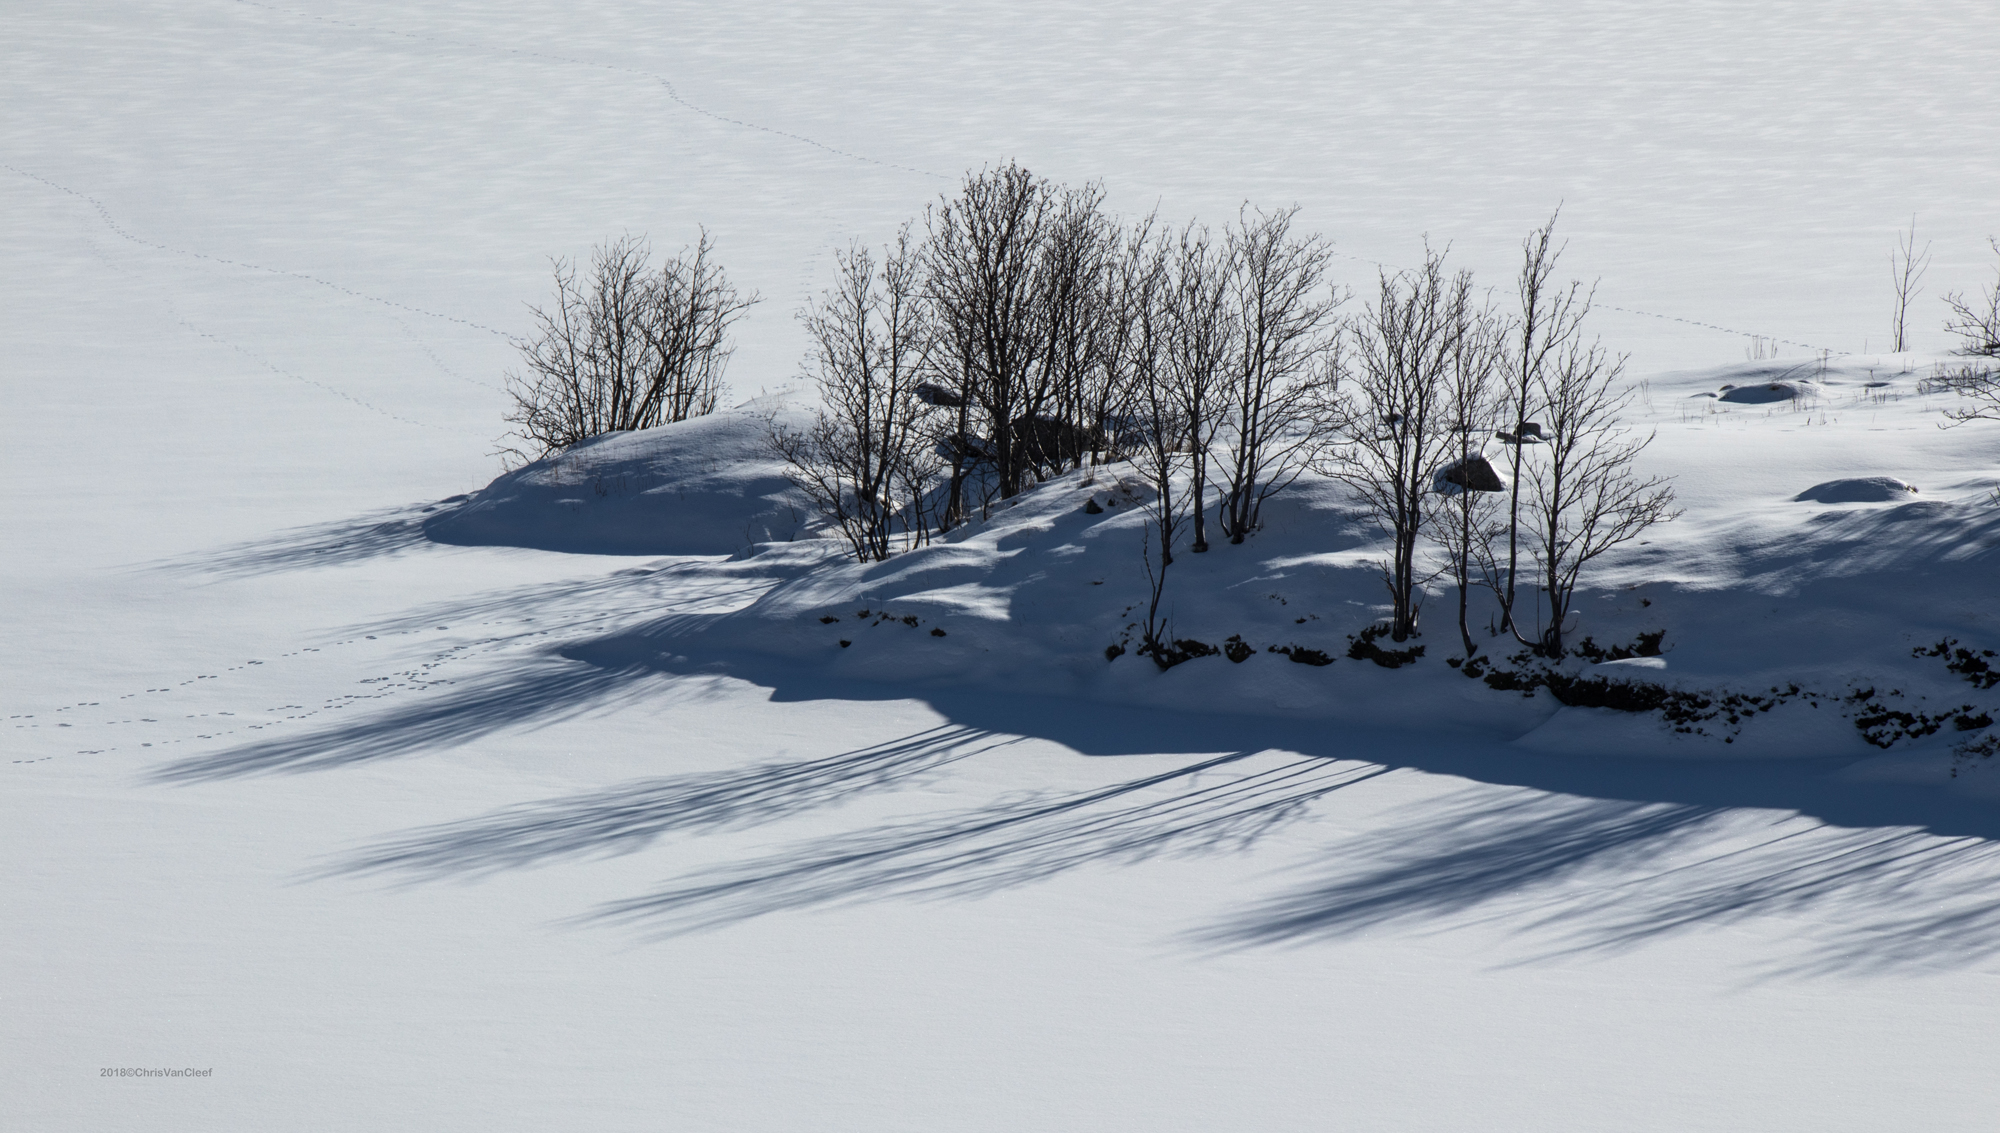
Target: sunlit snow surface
[{"x": 395, "y": 834}]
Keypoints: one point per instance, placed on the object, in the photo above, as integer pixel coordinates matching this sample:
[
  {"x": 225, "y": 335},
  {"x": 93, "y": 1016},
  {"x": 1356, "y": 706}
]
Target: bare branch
[
  {"x": 1286, "y": 333},
  {"x": 1586, "y": 497},
  {"x": 866, "y": 462},
  {"x": 1392, "y": 410},
  {"x": 624, "y": 349},
  {"x": 1906, "y": 271}
]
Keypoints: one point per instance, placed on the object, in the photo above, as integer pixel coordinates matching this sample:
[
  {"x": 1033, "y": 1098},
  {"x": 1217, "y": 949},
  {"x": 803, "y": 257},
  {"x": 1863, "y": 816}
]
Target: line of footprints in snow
[
  {"x": 417, "y": 678},
  {"x": 413, "y": 679}
]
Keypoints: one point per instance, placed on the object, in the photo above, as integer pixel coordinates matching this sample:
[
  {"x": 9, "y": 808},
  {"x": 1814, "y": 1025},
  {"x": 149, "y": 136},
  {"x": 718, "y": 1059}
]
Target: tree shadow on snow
[
  {"x": 1585, "y": 854},
  {"x": 1226, "y": 801},
  {"x": 1569, "y": 867},
  {"x": 1013, "y": 842},
  {"x": 376, "y": 534},
  {"x": 541, "y": 693},
  {"x": 543, "y": 688},
  {"x": 634, "y": 815},
  {"x": 1580, "y": 875}
]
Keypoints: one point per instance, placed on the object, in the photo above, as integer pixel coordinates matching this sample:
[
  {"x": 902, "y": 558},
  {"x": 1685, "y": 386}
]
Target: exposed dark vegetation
[
  {"x": 1646, "y": 645},
  {"x": 1883, "y": 725},
  {"x": 1976, "y": 668},
  {"x": 1167, "y": 654},
  {"x": 1363, "y": 648},
  {"x": 1880, "y": 722}
]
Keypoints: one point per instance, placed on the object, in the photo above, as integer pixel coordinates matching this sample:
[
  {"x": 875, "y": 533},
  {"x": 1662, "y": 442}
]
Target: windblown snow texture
[{"x": 399, "y": 796}]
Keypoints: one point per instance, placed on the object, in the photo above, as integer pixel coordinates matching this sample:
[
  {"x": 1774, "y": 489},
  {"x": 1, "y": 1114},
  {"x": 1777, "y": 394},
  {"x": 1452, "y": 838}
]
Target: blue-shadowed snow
[
  {"x": 709, "y": 486},
  {"x": 396, "y": 833}
]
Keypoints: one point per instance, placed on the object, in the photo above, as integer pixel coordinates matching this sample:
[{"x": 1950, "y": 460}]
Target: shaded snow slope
[
  {"x": 710, "y": 486},
  {"x": 1808, "y": 598}
]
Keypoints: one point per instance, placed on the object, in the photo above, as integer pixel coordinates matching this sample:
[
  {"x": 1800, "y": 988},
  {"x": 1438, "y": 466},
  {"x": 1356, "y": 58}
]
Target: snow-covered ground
[{"x": 390, "y": 831}]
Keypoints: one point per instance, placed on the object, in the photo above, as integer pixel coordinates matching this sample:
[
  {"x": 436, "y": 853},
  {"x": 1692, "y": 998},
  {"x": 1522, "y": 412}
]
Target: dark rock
[
  {"x": 938, "y": 395},
  {"x": 1767, "y": 393}
]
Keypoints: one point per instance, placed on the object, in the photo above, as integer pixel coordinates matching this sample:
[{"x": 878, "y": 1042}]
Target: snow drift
[{"x": 709, "y": 486}]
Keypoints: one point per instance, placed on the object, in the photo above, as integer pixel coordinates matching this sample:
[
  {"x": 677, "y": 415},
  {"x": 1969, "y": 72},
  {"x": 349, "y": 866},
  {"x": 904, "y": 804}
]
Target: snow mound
[
  {"x": 1768, "y": 393},
  {"x": 710, "y": 486},
  {"x": 1860, "y": 490}
]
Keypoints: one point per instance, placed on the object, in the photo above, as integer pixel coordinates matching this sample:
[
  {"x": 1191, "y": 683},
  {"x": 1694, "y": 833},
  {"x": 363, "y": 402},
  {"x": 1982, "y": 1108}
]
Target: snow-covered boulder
[
  {"x": 1767, "y": 393},
  {"x": 710, "y": 486},
  {"x": 1473, "y": 473},
  {"x": 1860, "y": 490}
]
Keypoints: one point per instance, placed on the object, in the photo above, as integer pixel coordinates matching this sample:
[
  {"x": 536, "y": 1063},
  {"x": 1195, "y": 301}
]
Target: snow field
[{"x": 262, "y": 263}]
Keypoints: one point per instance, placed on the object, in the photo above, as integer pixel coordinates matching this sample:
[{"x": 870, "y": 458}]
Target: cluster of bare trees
[
  {"x": 625, "y": 346},
  {"x": 1432, "y": 381},
  {"x": 1024, "y": 331}
]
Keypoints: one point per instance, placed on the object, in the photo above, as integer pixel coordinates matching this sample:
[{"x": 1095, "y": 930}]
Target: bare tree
[
  {"x": 1157, "y": 425},
  {"x": 1469, "y": 489},
  {"x": 1587, "y": 496},
  {"x": 1906, "y": 270},
  {"x": 1130, "y": 298},
  {"x": 1976, "y": 323},
  {"x": 1201, "y": 332},
  {"x": 986, "y": 286},
  {"x": 952, "y": 374},
  {"x": 1392, "y": 409},
  {"x": 1284, "y": 317},
  {"x": 866, "y": 461},
  {"x": 1551, "y": 318},
  {"x": 627, "y": 348},
  {"x": 1065, "y": 416}
]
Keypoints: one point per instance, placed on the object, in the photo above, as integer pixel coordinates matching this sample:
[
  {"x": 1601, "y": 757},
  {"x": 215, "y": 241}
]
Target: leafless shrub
[
  {"x": 1466, "y": 506},
  {"x": 1073, "y": 417},
  {"x": 984, "y": 280},
  {"x": 1283, "y": 311},
  {"x": 1977, "y": 322},
  {"x": 1575, "y": 491},
  {"x": 1551, "y": 318},
  {"x": 1390, "y": 414},
  {"x": 626, "y": 348},
  {"x": 1585, "y": 495},
  {"x": 1018, "y": 276},
  {"x": 1201, "y": 331},
  {"x": 1906, "y": 272},
  {"x": 1157, "y": 426},
  {"x": 866, "y": 461}
]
